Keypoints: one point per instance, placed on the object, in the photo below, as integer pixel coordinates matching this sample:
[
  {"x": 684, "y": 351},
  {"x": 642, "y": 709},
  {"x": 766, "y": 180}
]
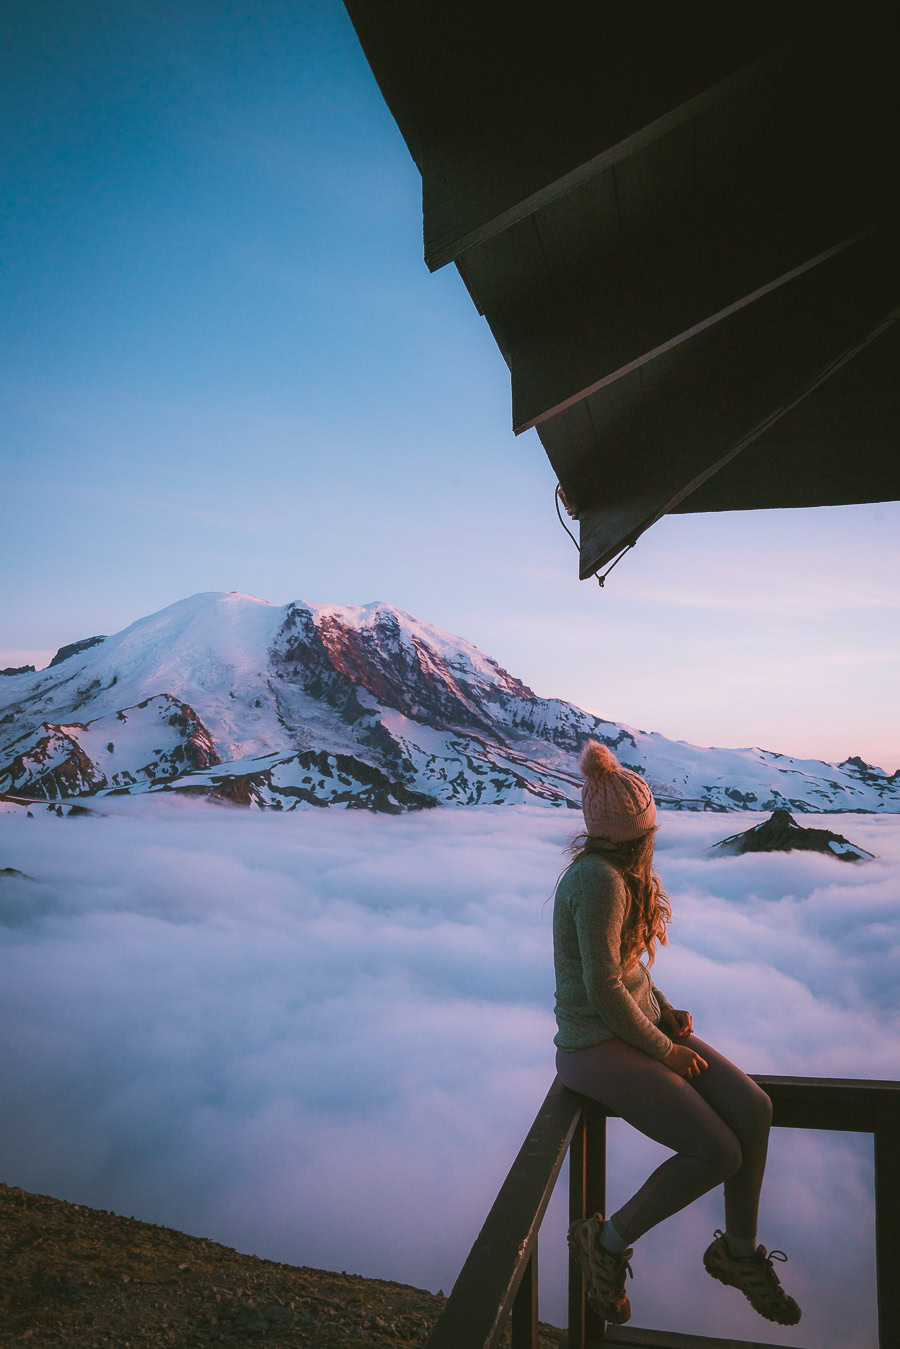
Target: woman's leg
[
  {"x": 665, "y": 1107},
  {"x": 746, "y": 1108}
]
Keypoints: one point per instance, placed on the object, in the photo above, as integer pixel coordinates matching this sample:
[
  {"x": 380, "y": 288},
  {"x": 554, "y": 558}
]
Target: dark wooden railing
[{"x": 498, "y": 1283}]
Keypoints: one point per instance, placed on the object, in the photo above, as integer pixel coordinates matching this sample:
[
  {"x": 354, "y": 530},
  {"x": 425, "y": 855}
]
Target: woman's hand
[
  {"x": 685, "y": 1062},
  {"x": 677, "y": 1024}
]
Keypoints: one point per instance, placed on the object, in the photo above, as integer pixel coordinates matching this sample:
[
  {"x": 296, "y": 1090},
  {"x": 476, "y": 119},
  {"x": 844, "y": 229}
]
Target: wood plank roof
[{"x": 680, "y": 223}]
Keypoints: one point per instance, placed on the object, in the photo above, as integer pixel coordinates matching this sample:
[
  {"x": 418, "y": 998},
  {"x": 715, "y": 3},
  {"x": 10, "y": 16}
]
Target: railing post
[
  {"x": 525, "y": 1306},
  {"x": 587, "y": 1195},
  {"x": 577, "y": 1209},
  {"x": 595, "y": 1327},
  {"x": 887, "y": 1226}
]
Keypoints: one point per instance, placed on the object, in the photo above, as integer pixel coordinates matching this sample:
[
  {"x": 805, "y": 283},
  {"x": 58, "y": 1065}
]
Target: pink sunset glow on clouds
[{"x": 322, "y": 1037}]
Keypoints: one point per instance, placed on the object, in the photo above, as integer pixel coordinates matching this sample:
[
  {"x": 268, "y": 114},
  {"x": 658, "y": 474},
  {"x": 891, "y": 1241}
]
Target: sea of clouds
[{"x": 322, "y": 1037}]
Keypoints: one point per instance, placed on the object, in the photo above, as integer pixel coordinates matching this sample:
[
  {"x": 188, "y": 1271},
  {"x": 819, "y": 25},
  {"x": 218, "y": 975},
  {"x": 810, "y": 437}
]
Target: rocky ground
[{"x": 76, "y": 1276}]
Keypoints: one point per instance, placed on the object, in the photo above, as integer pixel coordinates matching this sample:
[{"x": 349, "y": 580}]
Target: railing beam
[
  {"x": 478, "y": 1308},
  {"x": 887, "y": 1227},
  {"x": 849, "y": 1105},
  {"x": 500, "y": 1274},
  {"x": 525, "y": 1306}
]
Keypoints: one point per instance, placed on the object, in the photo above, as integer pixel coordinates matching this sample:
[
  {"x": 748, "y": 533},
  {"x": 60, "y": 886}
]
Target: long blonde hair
[{"x": 647, "y": 906}]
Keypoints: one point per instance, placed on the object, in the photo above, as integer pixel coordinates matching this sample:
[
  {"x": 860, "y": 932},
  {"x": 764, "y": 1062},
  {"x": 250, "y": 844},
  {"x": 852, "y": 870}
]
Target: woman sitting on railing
[{"x": 621, "y": 1043}]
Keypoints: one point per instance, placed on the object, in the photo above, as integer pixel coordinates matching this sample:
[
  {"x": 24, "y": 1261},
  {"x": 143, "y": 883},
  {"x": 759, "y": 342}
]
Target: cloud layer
[{"x": 322, "y": 1037}]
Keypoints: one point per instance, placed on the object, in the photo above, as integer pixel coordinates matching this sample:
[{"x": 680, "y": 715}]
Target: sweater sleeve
[
  {"x": 660, "y": 996},
  {"x": 599, "y": 912}
]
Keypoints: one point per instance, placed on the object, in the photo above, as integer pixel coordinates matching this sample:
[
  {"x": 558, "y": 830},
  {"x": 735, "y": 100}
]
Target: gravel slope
[{"x": 77, "y": 1276}]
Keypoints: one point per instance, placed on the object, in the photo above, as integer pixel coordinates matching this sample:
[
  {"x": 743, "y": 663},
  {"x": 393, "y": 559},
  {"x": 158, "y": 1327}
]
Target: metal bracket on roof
[{"x": 560, "y": 497}]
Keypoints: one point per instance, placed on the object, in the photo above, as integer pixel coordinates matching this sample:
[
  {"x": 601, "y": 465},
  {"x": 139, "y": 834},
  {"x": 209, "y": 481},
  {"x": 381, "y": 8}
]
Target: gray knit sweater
[{"x": 595, "y": 998}]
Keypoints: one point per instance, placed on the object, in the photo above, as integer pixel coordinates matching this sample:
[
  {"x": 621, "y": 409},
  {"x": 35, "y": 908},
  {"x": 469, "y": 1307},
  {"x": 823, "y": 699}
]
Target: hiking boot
[
  {"x": 604, "y": 1272},
  {"x": 755, "y": 1276}
]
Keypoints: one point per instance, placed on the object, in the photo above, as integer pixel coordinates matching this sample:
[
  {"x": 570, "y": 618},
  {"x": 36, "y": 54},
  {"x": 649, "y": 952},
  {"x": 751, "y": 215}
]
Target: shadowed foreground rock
[
  {"x": 781, "y": 833},
  {"x": 77, "y": 1276}
]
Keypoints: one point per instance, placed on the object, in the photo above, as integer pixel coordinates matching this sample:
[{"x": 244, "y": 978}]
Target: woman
[{"x": 622, "y": 1043}]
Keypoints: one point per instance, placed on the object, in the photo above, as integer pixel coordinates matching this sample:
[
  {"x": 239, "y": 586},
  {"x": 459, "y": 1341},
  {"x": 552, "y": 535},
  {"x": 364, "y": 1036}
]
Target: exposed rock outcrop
[
  {"x": 158, "y": 739},
  {"x": 781, "y": 833},
  {"x": 74, "y": 649}
]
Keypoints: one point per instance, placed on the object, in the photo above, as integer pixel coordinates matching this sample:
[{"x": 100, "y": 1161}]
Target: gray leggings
[{"x": 717, "y": 1124}]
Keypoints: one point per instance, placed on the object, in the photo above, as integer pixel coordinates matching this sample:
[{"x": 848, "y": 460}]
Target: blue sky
[{"x": 225, "y": 366}]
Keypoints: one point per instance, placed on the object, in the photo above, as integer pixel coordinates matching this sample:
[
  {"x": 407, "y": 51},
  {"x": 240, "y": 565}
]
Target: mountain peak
[
  {"x": 781, "y": 833},
  {"x": 362, "y": 705}
]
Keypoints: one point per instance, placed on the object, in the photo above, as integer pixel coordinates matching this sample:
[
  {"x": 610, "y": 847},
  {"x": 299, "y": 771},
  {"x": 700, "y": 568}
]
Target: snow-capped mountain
[{"x": 228, "y": 696}]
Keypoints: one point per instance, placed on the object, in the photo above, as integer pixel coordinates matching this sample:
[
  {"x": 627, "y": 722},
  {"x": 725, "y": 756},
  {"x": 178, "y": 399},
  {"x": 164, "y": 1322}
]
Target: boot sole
[{"x": 729, "y": 1283}]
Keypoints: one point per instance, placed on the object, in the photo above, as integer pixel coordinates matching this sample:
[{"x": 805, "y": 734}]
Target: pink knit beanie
[{"x": 617, "y": 803}]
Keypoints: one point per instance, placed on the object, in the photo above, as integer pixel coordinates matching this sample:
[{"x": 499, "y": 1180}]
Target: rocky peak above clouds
[
  {"x": 225, "y": 695},
  {"x": 781, "y": 833}
]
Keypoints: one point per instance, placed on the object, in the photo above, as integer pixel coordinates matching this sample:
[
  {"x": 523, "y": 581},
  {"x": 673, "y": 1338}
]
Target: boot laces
[
  {"x": 619, "y": 1272},
  {"x": 769, "y": 1269},
  {"x": 764, "y": 1265}
]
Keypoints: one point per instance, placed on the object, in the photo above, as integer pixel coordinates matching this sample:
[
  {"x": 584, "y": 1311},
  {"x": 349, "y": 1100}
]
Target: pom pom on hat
[
  {"x": 617, "y": 803},
  {"x": 597, "y": 760}
]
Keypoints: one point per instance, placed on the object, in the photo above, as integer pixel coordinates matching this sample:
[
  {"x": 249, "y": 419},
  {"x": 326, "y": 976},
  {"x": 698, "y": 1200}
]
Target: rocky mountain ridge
[
  {"x": 781, "y": 833},
  {"x": 227, "y": 696}
]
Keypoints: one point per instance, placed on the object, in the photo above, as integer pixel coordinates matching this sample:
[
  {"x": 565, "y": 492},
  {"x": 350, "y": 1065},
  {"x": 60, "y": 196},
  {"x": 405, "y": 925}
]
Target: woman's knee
[
  {"x": 762, "y": 1108},
  {"x": 725, "y": 1154},
  {"x": 757, "y": 1115}
]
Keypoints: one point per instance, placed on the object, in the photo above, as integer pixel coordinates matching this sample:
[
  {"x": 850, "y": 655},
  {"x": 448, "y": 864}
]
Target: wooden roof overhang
[{"x": 680, "y": 223}]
